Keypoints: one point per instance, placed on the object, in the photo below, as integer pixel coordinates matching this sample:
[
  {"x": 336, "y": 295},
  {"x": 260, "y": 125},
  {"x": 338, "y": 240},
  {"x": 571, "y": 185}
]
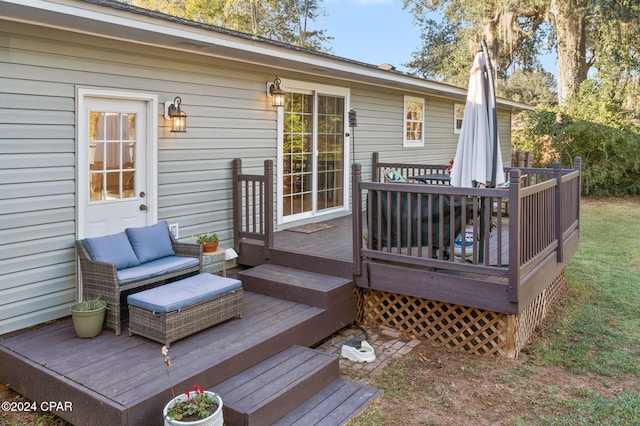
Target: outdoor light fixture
[
  {"x": 276, "y": 93},
  {"x": 178, "y": 117}
]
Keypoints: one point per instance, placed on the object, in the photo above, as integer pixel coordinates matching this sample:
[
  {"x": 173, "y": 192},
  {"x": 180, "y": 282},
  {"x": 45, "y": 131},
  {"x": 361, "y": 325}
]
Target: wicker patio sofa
[{"x": 137, "y": 259}]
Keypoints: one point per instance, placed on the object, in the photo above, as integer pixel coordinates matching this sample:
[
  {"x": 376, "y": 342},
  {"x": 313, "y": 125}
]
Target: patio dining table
[{"x": 441, "y": 178}]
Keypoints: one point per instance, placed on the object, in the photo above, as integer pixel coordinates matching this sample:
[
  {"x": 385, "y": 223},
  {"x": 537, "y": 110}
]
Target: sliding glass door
[{"x": 313, "y": 154}]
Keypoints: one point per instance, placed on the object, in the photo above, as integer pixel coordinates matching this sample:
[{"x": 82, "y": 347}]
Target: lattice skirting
[{"x": 458, "y": 327}]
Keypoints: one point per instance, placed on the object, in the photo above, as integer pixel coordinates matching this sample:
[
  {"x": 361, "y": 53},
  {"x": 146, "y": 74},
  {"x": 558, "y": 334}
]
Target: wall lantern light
[
  {"x": 276, "y": 93},
  {"x": 178, "y": 117}
]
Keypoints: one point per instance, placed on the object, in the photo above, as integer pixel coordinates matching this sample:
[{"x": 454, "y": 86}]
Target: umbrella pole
[{"x": 491, "y": 111}]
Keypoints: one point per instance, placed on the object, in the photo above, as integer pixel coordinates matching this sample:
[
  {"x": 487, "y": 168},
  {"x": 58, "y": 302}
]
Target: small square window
[
  {"x": 458, "y": 115},
  {"x": 413, "y": 122}
]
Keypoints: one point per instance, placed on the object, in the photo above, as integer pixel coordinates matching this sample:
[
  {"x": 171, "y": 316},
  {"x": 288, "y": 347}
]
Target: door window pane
[
  {"x": 111, "y": 156},
  {"x": 330, "y": 151},
  {"x": 298, "y": 155}
]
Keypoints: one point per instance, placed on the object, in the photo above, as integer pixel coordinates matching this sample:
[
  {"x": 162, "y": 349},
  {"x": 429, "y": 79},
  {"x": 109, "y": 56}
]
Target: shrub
[{"x": 608, "y": 145}]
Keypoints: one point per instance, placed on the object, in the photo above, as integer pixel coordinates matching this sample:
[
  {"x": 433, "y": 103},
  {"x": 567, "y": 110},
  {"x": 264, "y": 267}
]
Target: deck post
[
  {"x": 375, "y": 175},
  {"x": 514, "y": 234},
  {"x": 557, "y": 172},
  {"x": 237, "y": 203},
  {"x": 268, "y": 207},
  {"x": 356, "y": 215}
]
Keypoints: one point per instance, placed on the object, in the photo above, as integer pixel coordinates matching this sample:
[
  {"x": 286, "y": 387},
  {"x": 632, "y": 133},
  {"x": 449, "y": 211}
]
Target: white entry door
[{"x": 114, "y": 188}]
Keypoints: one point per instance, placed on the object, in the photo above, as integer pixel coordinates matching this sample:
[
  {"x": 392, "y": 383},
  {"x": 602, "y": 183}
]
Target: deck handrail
[
  {"x": 414, "y": 252},
  {"x": 253, "y": 206},
  {"x": 543, "y": 212},
  {"x": 406, "y": 170}
]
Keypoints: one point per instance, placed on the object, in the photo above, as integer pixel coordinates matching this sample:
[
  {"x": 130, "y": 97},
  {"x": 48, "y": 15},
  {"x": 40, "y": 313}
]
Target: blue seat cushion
[
  {"x": 151, "y": 242},
  {"x": 180, "y": 294},
  {"x": 114, "y": 249},
  {"x": 156, "y": 268}
]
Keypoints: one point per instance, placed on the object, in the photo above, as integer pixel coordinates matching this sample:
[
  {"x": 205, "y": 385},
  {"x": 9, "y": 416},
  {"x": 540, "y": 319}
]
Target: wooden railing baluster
[{"x": 253, "y": 206}]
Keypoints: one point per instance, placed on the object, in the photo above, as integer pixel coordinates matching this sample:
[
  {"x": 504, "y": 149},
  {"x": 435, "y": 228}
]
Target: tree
[
  {"x": 287, "y": 21},
  {"x": 585, "y": 33},
  {"x": 509, "y": 28},
  {"x": 529, "y": 87}
]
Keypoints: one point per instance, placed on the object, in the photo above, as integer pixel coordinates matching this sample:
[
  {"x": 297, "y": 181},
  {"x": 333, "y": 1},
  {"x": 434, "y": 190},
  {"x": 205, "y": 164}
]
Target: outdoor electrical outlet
[{"x": 173, "y": 228}]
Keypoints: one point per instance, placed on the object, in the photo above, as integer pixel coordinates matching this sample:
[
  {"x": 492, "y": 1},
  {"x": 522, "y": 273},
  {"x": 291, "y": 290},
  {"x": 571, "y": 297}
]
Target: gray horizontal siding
[{"x": 37, "y": 192}]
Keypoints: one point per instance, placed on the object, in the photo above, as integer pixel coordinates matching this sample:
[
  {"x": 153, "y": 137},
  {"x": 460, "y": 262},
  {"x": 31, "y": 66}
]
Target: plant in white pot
[
  {"x": 88, "y": 316},
  {"x": 194, "y": 407}
]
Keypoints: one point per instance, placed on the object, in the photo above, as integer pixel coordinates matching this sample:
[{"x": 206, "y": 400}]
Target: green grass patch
[
  {"x": 599, "y": 329},
  {"x": 590, "y": 408}
]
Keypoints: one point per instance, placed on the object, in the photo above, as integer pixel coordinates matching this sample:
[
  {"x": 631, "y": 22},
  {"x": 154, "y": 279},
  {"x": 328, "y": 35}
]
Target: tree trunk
[{"x": 570, "y": 24}]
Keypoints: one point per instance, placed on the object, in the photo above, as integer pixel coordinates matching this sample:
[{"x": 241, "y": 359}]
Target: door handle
[{"x": 143, "y": 207}]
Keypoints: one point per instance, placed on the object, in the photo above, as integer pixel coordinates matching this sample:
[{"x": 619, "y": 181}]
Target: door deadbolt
[{"x": 142, "y": 194}]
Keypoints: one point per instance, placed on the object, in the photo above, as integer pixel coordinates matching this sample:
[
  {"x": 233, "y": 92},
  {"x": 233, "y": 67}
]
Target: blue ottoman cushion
[{"x": 180, "y": 294}]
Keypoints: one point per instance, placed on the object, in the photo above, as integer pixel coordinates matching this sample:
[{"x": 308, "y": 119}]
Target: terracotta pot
[{"x": 209, "y": 247}]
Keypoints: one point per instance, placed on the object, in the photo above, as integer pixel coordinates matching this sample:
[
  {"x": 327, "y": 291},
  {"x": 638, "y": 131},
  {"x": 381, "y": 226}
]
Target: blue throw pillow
[
  {"x": 394, "y": 176},
  {"x": 114, "y": 249},
  {"x": 151, "y": 242}
]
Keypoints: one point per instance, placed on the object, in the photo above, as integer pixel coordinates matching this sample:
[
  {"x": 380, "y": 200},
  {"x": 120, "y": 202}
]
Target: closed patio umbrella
[{"x": 478, "y": 162}]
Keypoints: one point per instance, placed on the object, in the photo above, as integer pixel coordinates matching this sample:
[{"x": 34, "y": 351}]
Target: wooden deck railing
[
  {"x": 416, "y": 224},
  {"x": 253, "y": 206},
  {"x": 428, "y": 241}
]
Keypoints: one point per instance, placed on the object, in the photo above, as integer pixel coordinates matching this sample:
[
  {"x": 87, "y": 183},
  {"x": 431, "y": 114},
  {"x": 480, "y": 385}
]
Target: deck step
[
  {"x": 337, "y": 404},
  {"x": 274, "y": 387},
  {"x": 311, "y": 288},
  {"x": 310, "y": 262}
]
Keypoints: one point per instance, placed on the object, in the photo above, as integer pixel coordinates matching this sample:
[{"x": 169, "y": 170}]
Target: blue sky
[
  {"x": 371, "y": 31},
  {"x": 377, "y": 32}
]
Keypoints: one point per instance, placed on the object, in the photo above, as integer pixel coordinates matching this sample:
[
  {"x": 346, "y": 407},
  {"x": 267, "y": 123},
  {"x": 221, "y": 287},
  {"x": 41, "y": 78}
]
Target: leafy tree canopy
[
  {"x": 586, "y": 34},
  {"x": 287, "y": 21}
]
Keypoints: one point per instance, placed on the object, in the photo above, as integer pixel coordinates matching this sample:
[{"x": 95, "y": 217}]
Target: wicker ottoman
[{"x": 181, "y": 308}]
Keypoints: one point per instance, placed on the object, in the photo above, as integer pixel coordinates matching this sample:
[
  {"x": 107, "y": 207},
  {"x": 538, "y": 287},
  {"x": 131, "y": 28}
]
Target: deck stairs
[{"x": 299, "y": 385}]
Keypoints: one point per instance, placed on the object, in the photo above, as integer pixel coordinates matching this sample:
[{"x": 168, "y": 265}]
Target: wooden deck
[
  {"x": 514, "y": 272},
  {"x": 113, "y": 380},
  {"x": 333, "y": 243}
]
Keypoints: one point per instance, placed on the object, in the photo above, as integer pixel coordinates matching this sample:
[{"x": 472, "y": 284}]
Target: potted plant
[
  {"x": 209, "y": 241},
  {"x": 194, "y": 407},
  {"x": 88, "y": 316}
]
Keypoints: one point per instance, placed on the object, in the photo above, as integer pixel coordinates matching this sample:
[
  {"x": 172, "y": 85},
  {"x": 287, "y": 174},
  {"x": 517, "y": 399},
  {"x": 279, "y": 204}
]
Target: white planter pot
[{"x": 215, "y": 419}]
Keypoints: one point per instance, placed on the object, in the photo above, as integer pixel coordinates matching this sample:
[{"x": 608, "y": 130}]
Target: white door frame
[
  {"x": 151, "y": 147},
  {"x": 315, "y": 89}
]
